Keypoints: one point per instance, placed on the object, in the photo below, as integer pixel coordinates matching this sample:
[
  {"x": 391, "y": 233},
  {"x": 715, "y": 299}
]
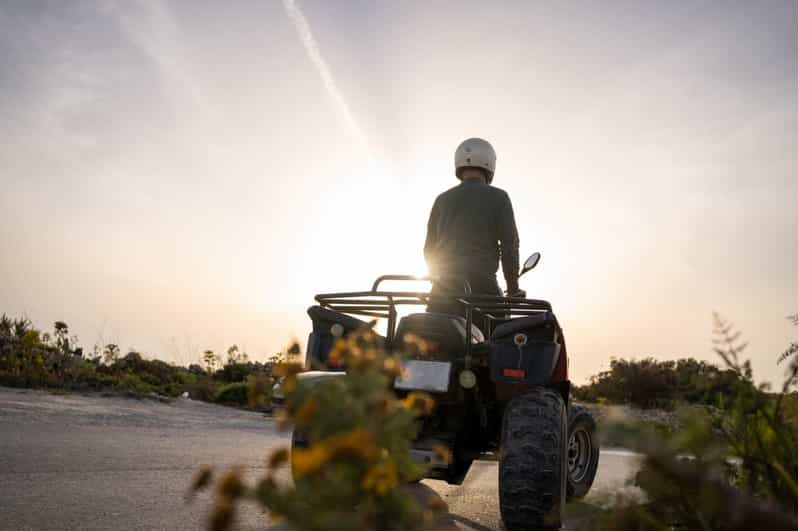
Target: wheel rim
[{"x": 578, "y": 454}]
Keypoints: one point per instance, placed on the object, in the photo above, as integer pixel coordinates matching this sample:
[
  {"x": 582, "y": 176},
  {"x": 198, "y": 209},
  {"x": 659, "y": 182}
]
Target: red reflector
[{"x": 514, "y": 373}]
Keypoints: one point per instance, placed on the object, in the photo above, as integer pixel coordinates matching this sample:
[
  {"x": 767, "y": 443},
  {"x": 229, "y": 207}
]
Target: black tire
[
  {"x": 532, "y": 467},
  {"x": 583, "y": 451}
]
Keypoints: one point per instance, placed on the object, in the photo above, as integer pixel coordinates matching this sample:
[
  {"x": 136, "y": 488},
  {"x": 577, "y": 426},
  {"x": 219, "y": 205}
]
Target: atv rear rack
[{"x": 382, "y": 305}]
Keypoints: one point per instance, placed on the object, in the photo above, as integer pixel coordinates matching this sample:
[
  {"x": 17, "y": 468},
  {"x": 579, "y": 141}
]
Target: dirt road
[{"x": 97, "y": 463}]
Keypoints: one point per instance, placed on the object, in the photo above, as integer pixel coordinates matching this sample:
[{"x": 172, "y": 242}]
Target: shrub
[
  {"x": 232, "y": 393},
  {"x": 132, "y": 383},
  {"x": 649, "y": 383},
  {"x": 29, "y": 358},
  {"x": 742, "y": 472},
  {"x": 203, "y": 389},
  {"x": 234, "y": 372}
]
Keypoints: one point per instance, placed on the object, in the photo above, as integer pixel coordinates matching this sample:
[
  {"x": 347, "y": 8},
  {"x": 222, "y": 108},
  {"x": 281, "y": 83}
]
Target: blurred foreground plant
[
  {"x": 731, "y": 468},
  {"x": 351, "y": 474}
]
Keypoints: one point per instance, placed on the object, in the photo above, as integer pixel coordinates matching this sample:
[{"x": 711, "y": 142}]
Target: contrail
[{"x": 312, "y": 48}]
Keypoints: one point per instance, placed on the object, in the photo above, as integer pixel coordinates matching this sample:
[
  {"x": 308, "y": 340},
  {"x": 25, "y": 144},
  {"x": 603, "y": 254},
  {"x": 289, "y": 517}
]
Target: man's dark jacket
[{"x": 471, "y": 227}]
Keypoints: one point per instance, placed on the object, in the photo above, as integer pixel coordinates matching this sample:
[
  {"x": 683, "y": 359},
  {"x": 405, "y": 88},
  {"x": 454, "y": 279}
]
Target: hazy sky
[{"x": 176, "y": 176}]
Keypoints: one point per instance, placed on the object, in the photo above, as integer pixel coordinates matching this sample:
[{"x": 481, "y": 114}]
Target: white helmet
[{"x": 475, "y": 153}]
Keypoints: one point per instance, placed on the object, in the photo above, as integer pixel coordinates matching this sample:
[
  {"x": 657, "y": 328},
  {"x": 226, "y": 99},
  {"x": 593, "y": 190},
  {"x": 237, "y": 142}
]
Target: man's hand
[{"x": 516, "y": 293}]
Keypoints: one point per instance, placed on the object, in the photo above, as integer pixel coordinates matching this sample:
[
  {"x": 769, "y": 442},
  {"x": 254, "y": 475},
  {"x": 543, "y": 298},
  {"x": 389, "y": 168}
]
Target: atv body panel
[{"x": 328, "y": 325}]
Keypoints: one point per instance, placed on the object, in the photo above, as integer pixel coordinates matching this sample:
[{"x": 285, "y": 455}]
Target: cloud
[
  {"x": 340, "y": 105},
  {"x": 151, "y": 27}
]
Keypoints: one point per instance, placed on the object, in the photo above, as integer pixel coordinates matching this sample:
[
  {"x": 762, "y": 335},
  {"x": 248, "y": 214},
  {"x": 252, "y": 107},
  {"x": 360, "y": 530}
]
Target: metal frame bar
[
  {"x": 391, "y": 299},
  {"x": 382, "y": 304},
  {"x": 382, "y": 278}
]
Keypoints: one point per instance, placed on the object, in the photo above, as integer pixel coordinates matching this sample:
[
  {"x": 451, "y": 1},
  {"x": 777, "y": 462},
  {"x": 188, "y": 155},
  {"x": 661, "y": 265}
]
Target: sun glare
[{"x": 382, "y": 233}]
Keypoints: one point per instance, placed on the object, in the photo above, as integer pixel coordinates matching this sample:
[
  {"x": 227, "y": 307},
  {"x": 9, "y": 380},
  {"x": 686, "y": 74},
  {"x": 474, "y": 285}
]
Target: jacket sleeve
[
  {"x": 431, "y": 243},
  {"x": 508, "y": 244}
]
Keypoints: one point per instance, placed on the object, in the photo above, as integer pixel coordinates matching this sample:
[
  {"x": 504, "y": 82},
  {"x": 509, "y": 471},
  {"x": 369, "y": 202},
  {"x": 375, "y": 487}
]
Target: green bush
[
  {"x": 203, "y": 389},
  {"x": 649, "y": 383},
  {"x": 132, "y": 383},
  {"x": 30, "y": 358},
  {"x": 232, "y": 393}
]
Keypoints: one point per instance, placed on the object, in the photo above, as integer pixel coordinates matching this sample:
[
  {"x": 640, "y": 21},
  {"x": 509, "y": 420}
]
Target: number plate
[{"x": 432, "y": 376}]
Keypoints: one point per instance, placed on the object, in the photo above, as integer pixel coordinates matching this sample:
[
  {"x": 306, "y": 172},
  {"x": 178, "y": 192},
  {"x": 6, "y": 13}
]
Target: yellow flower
[
  {"x": 419, "y": 403},
  {"x": 339, "y": 350},
  {"x": 306, "y": 461},
  {"x": 380, "y": 478},
  {"x": 392, "y": 367},
  {"x": 357, "y": 442},
  {"x": 386, "y": 403},
  {"x": 415, "y": 345}
]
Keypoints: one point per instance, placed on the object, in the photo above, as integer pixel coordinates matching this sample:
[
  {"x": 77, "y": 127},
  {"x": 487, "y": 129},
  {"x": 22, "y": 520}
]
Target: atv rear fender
[
  {"x": 528, "y": 350},
  {"x": 328, "y": 325}
]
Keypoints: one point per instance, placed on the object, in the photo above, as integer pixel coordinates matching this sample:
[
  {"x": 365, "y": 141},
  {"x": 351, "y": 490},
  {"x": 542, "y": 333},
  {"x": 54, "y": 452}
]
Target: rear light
[{"x": 514, "y": 373}]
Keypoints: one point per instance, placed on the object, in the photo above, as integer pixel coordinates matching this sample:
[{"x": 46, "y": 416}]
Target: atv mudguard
[
  {"x": 322, "y": 339},
  {"x": 525, "y": 350}
]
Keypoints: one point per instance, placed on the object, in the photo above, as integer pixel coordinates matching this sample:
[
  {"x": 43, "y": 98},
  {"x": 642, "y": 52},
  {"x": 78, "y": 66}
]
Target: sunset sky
[{"x": 176, "y": 176}]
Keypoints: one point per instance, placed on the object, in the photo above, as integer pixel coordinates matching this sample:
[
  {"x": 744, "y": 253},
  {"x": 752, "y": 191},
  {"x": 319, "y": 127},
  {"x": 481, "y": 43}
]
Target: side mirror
[{"x": 530, "y": 263}]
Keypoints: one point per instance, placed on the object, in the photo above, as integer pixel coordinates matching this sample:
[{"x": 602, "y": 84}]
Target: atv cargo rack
[{"x": 382, "y": 305}]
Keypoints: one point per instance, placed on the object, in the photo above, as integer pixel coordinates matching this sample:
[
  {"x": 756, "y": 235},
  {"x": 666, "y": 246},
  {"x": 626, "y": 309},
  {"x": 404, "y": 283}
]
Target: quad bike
[{"x": 501, "y": 391}]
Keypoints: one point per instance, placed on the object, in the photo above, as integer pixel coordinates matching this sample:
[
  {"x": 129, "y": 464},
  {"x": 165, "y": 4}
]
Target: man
[{"x": 471, "y": 228}]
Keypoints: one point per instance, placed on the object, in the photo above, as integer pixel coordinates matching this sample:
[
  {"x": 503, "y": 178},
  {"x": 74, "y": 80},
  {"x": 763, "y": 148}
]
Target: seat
[
  {"x": 523, "y": 324},
  {"x": 446, "y": 329}
]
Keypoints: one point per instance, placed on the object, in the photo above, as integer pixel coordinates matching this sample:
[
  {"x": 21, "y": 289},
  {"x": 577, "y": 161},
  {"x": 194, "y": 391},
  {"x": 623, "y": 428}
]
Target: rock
[{"x": 159, "y": 398}]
